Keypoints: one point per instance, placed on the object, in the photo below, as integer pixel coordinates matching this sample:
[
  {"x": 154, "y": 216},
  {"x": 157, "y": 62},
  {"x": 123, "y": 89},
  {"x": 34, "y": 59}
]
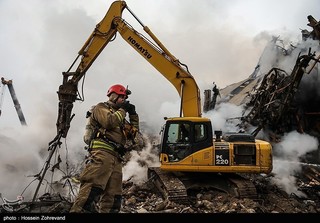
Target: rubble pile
[
  {"x": 144, "y": 199},
  {"x": 271, "y": 199}
]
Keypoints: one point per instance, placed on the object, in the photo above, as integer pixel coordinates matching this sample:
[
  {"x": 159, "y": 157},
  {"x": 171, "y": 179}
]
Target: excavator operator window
[
  {"x": 184, "y": 133},
  {"x": 200, "y": 133},
  {"x": 172, "y": 133},
  {"x": 178, "y": 141},
  {"x": 178, "y": 133},
  {"x": 182, "y": 139}
]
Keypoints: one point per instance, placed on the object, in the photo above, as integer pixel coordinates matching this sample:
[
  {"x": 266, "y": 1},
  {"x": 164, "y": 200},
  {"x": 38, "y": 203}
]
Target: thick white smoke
[{"x": 287, "y": 166}]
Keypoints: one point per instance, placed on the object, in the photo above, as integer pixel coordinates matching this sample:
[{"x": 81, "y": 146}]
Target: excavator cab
[
  {"x": 183, "y": 137},
  {"x": 188, "y": 145}
]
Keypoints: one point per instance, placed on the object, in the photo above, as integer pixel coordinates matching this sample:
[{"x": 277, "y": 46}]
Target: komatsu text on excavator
[{"x": 190, "y": 154}]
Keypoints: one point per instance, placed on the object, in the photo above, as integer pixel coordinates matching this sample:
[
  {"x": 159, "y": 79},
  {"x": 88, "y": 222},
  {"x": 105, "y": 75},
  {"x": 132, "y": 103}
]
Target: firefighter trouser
[{"x": 102, "y": 179}]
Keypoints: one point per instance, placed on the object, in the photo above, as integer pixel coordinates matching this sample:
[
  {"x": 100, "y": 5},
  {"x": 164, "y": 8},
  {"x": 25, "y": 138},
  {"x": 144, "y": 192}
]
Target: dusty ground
[
  {"x": 144, "y": 199},
  {"x": 271, "y": 199}
]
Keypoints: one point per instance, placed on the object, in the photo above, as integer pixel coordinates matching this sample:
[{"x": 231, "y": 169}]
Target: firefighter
[{"x": 101, "y": 179}]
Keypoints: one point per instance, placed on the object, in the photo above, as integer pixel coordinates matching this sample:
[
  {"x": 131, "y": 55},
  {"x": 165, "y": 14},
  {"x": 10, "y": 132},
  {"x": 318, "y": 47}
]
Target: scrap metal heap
[
  {"x": 277, "y": 105},
  {"x": 284, "y": 102},
  {"x": 277, "y": 101},
  {"x": 14, "y": 99}
]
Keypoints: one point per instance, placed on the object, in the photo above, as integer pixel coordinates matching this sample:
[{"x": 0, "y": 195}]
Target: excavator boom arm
[
  {"x": 156, "y": 54},
  {"x": 167, "y": 65},
  {"x": 100, "y": 37}
]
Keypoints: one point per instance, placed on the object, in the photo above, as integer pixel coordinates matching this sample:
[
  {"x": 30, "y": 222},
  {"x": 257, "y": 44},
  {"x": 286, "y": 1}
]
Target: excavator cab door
[{"x": 182, "y": 138}]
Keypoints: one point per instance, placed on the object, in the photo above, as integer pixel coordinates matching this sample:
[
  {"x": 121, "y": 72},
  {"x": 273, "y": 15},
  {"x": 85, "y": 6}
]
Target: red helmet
[{"x": 118, "y": 89}]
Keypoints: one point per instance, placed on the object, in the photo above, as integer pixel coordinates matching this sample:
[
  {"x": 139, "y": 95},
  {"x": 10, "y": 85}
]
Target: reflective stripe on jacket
[{"x": 96, "y": 144}]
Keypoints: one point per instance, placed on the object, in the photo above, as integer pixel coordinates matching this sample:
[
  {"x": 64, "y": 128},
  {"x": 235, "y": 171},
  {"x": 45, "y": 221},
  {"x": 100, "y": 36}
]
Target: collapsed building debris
[
  {"x": 278, "y": 101},
  {"x": 210, "y": 100},
  {"x": 274, "y": 105}
]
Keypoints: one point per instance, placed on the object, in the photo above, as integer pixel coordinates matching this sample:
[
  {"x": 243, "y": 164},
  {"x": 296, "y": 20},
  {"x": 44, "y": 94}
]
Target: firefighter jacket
[{"x": 111, "y": 120}]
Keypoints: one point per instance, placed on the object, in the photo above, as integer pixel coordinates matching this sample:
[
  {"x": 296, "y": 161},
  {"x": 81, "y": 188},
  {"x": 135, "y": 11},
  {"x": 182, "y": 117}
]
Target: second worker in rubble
[{"x": 101, "y": 179}]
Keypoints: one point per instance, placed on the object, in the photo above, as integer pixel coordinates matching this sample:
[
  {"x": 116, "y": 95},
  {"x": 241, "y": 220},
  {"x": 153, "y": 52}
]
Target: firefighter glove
[{"x": 130, "y": 108}]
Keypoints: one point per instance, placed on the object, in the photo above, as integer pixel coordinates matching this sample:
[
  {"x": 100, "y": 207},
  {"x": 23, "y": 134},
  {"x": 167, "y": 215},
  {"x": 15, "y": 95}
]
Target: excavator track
[
  {"x": 244, "y": 188},
  {"x": 171, "y": 187},
  {"x": 174, "y": 186}
]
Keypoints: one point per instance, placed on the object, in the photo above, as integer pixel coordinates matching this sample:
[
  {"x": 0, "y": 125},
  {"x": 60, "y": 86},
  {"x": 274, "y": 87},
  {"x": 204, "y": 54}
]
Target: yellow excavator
[{"x": 190, "y": 153}]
